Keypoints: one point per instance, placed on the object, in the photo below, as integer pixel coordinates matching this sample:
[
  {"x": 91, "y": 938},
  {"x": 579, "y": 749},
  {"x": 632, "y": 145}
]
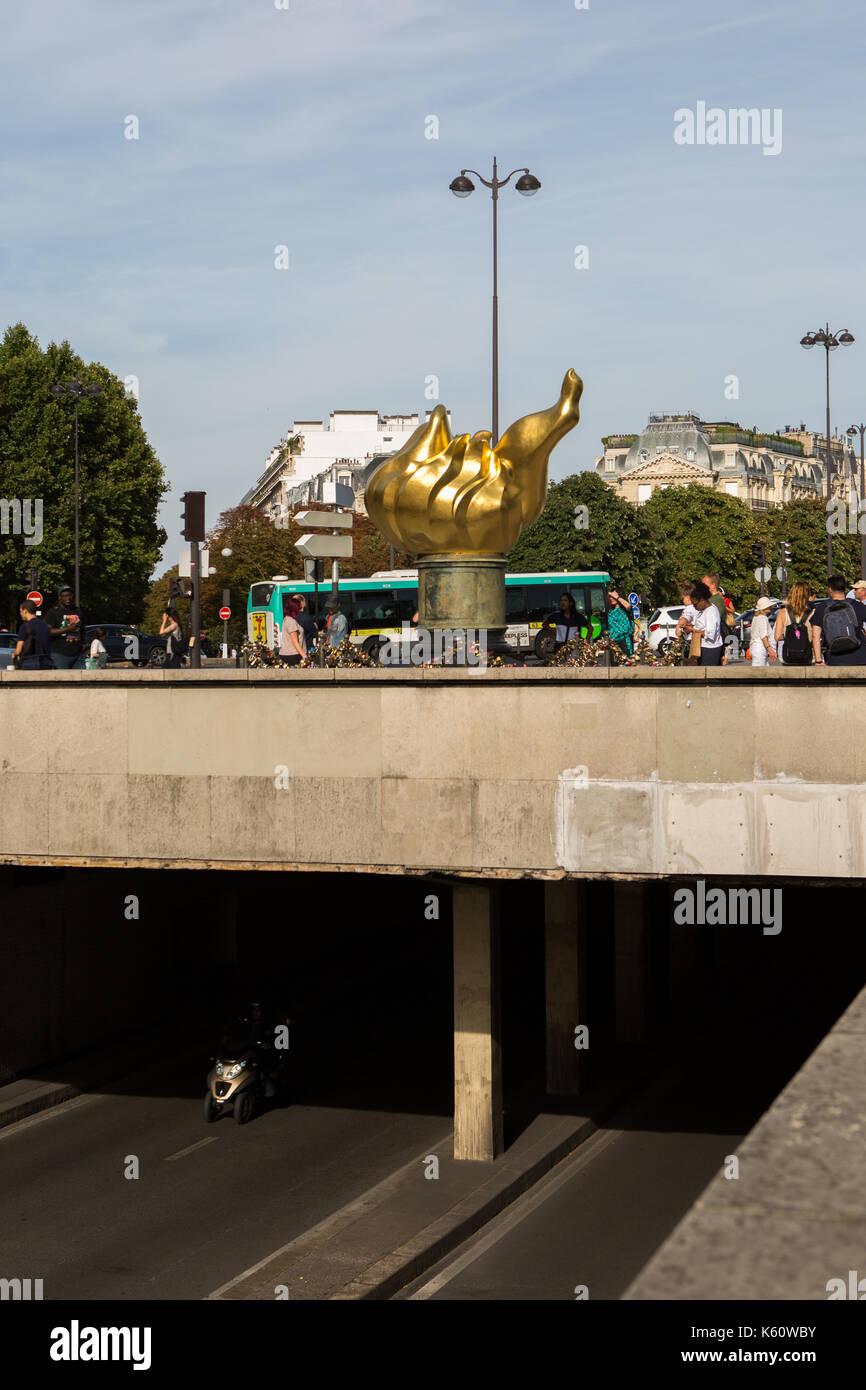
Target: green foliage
[
  {"x": 698, "y": 531},
  {"x": 121, "y": 480},
  {"x": 617, "y": 537}
]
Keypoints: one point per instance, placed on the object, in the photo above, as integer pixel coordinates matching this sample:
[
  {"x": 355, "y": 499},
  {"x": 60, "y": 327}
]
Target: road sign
[
  {"x": 325, "y": 547},
  {"x": 225, "y": 614},
  {"x": 781, "y": 572},
  {"x": 184, "y": 564},
  {"x": 341, "y": 519},
  {"x": 339, "y": 493},
  {"x": 634, "y": 600},
  {"x": 35, "y": 597},
  {"x": 763, "y": 573}
]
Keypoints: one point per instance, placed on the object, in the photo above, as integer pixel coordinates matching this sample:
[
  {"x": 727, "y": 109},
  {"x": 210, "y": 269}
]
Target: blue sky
[{"x": 306, "y": 127}]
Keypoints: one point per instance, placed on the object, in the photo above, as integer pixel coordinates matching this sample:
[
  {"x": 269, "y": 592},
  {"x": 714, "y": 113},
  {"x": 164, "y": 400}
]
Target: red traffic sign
[
  {"x": 225, "y": 614},
  {"x": 35, "y": 597}
]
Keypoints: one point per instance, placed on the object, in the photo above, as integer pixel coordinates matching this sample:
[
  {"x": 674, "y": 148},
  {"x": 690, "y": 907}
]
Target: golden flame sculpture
[{"x": 458, "y": 496}]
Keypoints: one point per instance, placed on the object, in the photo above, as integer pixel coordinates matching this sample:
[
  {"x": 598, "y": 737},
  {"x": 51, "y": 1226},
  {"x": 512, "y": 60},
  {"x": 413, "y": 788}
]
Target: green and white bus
[{"x": 379, "y": 606}]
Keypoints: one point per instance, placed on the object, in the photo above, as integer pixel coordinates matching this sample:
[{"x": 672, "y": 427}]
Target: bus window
[
  {"x": 375, "y": 608},
  {"x": 405, "y": 604},
  {"x": 515, "y": 603},
  {"x": 260, "y": 595},
  {"x": 541, "y": 599},
  {"x": 594, "y": 599}
]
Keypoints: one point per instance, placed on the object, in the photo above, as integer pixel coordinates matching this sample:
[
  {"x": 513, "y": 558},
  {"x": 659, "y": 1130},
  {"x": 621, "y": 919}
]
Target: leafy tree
[
  {"x": 615, "y": 536},
  {"x": 121, "y": 480},
  {"x": 698, "y": 530},
  {"x": 259, "y": 551}
]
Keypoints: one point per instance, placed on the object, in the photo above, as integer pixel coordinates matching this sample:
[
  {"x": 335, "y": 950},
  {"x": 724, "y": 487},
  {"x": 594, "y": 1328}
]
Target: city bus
[{"x": 378, "y": 606}]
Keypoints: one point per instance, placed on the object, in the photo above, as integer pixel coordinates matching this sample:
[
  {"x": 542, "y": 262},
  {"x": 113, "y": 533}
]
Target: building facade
[
  {"x": 314, "y": 454},
  {"x": 764, "y": 470}
]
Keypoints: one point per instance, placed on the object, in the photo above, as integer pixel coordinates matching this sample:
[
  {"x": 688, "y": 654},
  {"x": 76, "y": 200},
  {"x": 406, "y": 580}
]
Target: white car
[{"x": 662, "y": 627}]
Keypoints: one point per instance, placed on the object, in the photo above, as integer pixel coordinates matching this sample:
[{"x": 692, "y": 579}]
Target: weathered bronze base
[{"x": 461, "y": 591}]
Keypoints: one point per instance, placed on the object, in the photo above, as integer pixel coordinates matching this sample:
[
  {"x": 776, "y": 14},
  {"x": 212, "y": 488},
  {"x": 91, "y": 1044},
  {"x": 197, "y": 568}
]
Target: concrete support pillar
[
  {"x": 478, "y": 1126},
  {"x": 564, "y": 983},
  {"x": 631, "y": 928}
]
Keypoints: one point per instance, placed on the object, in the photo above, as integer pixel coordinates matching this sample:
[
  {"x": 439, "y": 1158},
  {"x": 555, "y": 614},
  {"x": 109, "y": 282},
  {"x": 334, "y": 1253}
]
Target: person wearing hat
[
  {"x": 67, "y": 631},
  {"x": 337, "y": 626},
  {"x": 761, "y": 651}
]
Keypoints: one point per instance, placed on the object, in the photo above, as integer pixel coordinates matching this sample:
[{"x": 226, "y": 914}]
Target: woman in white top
[
  {"x": 761, "y": 649},
  {"x": 293, "y": 646},
  {"x": 709, "y": 624},
  {"x": 97, "y": 659}
]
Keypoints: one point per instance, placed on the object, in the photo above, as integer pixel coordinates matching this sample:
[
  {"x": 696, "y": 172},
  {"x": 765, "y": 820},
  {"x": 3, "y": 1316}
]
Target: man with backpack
[{"x": 838, "y": 626}]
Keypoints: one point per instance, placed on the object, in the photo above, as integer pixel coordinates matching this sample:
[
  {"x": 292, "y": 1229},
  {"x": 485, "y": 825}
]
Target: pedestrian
[
  {"x": 689, "y": 612},
  {"x": 97, "y": 658},
  {"x": 858, "y": 590},
  {"x": 33, "y": 648},
  {"x": 569, "y": 620},
  {"x": 170, "y": 629},
  {"x": 761, "y": 652},
  {"x": 337, "y": 625},
  {"x": 709, "y": 624},
  {"x": 67, "y": 625},
  {"x": 721, "y": 601},
  {"x": 793, "y": 628},
  {"x": 838, "y": 637},
  {"x": 293, "y": 648},
  {"x": 306, "y": 620},
  {"x": 620, "y": 622}
]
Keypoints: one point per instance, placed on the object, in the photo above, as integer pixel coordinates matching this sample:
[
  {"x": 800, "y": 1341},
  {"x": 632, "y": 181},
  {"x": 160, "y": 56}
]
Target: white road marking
[
  {"x": 190, "y": 1148},
  {"x": 523, "y": 1207}
]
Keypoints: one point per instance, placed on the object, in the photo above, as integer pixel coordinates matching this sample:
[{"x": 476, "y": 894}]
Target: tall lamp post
[
  {"x": 461, "y": 187},
  {"x": 851, "y": 431},
  {"x": 829, "y": 342},
  {"x": 77, "y": 389}
]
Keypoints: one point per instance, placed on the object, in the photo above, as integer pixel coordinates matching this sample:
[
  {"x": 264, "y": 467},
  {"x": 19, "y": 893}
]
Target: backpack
[
  {"x": 797, "y": 641},
  {"x": 840, "y": 627}
]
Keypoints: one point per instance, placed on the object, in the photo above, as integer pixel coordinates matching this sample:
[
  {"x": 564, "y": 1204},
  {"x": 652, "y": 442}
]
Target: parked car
[
  {"x": 125, "y": 643},
  {"x": 662, "y": 627},
  {"x": 8, "y": 642}
]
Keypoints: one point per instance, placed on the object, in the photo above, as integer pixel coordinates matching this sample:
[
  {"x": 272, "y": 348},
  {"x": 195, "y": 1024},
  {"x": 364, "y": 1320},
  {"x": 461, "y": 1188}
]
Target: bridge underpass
[{"x": 475, "y": 790}]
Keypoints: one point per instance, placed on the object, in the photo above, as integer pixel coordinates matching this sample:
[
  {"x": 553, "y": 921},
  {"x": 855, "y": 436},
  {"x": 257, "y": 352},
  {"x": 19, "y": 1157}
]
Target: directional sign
[
  {"x": 763, "y": 573},
  {"x": 35, "y": 597},
  {"x": 325, "y": 547},
  {"x": 225, "y": 614},
  {"x": 341, "y": 519},
  {"x": 634, "y": 600}
]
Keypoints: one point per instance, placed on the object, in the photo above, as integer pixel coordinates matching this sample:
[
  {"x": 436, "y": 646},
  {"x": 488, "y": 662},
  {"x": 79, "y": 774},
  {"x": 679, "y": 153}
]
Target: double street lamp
[
  {"x": 461, "y": 187},
  {"x": 829, "y": 342},
  {"x": 76, "y": 389}
]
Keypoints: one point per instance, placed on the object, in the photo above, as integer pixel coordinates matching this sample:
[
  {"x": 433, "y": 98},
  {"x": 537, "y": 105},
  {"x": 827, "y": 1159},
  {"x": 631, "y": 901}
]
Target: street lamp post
[
  {"x": 829, "y": 342},
  {"x": 851, "y": 431},
  {"x": 461, "y": 187},
  {"x": 77, "y": 389}
]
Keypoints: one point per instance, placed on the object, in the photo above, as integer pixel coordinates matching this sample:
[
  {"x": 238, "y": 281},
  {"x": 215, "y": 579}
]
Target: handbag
[{"x": 694, "y": 656}]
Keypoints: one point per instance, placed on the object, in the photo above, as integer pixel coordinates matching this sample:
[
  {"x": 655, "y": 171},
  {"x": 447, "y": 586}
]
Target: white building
[{"x": 313, "y": 453}]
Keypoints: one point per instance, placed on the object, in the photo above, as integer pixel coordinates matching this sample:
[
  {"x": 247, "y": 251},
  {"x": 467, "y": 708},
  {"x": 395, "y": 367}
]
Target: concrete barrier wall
[{"x": 630, "y": 772}]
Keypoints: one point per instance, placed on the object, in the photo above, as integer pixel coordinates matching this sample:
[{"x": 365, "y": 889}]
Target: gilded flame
[{"x": 442, "y": 495}]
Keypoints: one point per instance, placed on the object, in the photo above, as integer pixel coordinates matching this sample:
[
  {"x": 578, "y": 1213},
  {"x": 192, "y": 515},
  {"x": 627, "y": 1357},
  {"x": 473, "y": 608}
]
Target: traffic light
[
  {"x": 193, "y": 516},
  {"x": 759, "y": 550},
  {"x": 786, "y": 553},
  {"x": 173, "y": 590}
]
